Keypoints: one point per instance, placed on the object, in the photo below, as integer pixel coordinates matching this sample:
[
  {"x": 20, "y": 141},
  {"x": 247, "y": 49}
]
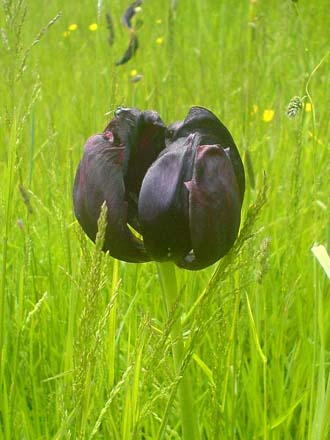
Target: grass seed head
[{"x": 294, "y": 107}]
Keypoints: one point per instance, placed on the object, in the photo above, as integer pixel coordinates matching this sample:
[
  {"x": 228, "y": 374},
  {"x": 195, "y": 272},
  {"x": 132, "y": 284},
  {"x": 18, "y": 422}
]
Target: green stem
[{"x": 170, "y": 292}]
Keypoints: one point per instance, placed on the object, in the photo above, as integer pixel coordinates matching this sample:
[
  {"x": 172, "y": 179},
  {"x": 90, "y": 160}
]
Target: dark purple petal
[
  {"x": 143, "y": 136},
  {"x": 163, "y": 202},
  {"x": 148, "y": 143},
  {"x": 212, "y": 131},
  {"x": 214, "y": 207},
  {"x": 100, "y": 178},
  {"x": 124, "y": 127}
]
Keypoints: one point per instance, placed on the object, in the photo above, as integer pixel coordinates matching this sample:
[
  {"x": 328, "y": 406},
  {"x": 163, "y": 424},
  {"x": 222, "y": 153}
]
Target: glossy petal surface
[
  {"x": 203, "y": 121},
  {"x": 99, "y": 178},
  {"x": 214, "y": 207},
  {"x": 142, "y": 134},
  {"x": 163, "y": 202}
]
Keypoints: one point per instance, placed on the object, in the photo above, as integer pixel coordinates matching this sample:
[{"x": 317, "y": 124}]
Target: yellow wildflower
[
  {"x": 73, "y": 27},
  {"x": 159, "y": 21},
  {"x": 133, "y": 72},
  {"x": 137, "y": 9},
  {"x": 308, "y": 107},
  {"x": 160, "y": 40},
  {"x": 92, "y": 27},
  {"x": 66, "y": 33},
  {"x": 268, "y": 115}
]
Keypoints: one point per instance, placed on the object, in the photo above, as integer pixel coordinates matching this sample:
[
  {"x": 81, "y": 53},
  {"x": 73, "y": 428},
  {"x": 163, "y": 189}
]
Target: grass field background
[{"x": 84, "y": 340}]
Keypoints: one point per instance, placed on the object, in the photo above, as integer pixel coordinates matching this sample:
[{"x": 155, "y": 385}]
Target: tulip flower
[{"x": 181, "y": 189}]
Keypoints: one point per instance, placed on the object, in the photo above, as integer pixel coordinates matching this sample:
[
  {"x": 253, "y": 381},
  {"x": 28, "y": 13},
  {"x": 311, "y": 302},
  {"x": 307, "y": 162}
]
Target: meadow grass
[{"x": 85, "y": 348}]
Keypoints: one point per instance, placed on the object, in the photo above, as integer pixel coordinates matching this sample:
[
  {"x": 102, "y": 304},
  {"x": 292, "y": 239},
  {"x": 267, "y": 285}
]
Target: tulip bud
[{"x": 182, "y": 189}]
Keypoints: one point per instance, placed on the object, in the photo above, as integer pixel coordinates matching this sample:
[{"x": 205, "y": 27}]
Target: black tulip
[{"x": 182, "y": 190}]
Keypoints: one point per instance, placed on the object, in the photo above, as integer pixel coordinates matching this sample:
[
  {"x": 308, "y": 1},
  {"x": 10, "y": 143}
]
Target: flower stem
[{"x": 170, "y": 294}]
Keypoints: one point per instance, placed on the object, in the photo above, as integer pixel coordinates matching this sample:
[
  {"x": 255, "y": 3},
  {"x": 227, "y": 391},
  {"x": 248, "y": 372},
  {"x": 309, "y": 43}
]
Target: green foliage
[{"x": 85, "y": 350}]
